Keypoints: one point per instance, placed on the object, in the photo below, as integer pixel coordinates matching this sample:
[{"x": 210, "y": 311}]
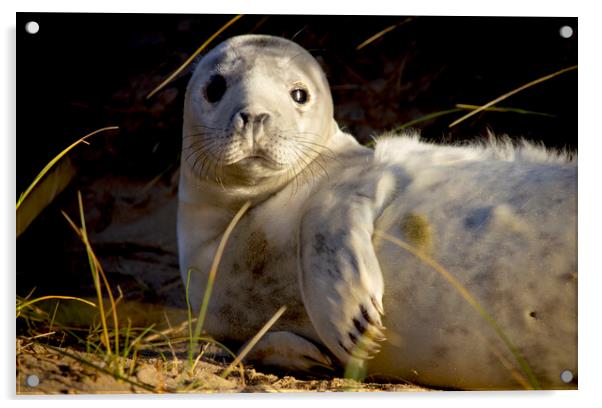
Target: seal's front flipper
[
  {"x": 340, "y": 278},
  {"x": 289, "y": 352}
]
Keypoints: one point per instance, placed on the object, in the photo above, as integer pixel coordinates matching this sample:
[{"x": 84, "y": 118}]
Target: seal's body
[{"x": 320, "y": 234}]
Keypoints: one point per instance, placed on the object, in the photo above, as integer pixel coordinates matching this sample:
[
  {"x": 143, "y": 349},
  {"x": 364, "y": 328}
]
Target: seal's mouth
[
  {"x": 258, "y": 160},
  {"x": 253, "y": 169}
]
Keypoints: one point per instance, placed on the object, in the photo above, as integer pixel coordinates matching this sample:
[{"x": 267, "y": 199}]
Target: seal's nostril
[
  {"x": 245, "y": 119},
  {"x": 262, "y": 117}
]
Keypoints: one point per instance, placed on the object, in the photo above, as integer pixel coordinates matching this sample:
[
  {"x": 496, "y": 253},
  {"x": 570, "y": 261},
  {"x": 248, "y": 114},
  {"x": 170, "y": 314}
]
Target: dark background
[{"x": 82, "y": 72}]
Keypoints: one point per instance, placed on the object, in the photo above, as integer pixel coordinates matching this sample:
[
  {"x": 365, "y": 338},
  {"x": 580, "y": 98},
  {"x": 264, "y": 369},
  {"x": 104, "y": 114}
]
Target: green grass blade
[
  {"x": 251, "y": 343},
  {"x": 23, "y": 305},
  {"x": 504, "y": 109},
  {"x": 425, "y": 118},
  {"x": 137, "y": 339},
  {"x": 46, "y": 190},
  {"x": 463, "y": 107},
  {"x": 513, "y": 92},
  {"x": 189, "y": 311},
  {"x": 58, "y": 157},
  {"x": 382, "y": 32},
  {"x": 213, "y": 271}
]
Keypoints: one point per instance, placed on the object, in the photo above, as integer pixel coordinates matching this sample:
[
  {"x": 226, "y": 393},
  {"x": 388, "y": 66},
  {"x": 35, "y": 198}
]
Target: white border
[
  {"x": 590, "y": 205},
  {"x": 376, "y": 7}
]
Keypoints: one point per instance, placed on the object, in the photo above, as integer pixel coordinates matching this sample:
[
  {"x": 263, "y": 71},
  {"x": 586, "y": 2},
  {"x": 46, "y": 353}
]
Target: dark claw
[
  {"x": 376, "y": 306},
  {"x": 365, "y": 315},
  {"x": 361, "y": 329},
  {"x": 344, "y": 348}
]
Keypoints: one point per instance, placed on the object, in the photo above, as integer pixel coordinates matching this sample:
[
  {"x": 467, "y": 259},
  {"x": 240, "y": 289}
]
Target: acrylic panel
[{"x": 274, "y": 203}]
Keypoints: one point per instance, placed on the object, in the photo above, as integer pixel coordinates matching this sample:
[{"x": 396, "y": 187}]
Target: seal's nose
[{"x": 247, "y": 119}]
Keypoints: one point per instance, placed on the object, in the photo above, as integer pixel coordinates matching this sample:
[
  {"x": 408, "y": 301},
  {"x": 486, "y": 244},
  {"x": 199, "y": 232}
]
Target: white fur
[{"x": 407, "y": 147}]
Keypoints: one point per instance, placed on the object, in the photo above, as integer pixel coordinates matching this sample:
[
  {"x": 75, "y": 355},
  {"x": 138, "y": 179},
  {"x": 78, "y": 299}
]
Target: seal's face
[{"x": 257, "y": 108}]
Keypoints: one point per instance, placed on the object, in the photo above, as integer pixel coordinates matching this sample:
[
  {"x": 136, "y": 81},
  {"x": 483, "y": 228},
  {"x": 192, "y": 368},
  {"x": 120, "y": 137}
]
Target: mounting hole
[
  {"x": 32, "y": 27},
  {"x": 566, "y": 31},
  {"x": 566, "y": 376},
  {"x": 32, "y": 380}
]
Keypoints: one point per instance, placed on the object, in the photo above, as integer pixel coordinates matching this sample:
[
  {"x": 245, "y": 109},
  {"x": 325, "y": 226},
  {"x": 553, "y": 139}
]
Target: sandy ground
[{"x": 52, "y": 372}]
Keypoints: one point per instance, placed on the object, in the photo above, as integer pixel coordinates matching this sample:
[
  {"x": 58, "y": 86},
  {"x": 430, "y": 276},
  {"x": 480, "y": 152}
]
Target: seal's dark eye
[
  {"x": 216, "y": 88},
  {"x": 299, "y": 95}
]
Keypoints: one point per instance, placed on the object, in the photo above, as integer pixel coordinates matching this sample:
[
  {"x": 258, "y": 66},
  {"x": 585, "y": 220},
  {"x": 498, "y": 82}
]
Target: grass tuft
[
  {"x": 98, "y": 274},
  {"x": 118, "y": 347}
]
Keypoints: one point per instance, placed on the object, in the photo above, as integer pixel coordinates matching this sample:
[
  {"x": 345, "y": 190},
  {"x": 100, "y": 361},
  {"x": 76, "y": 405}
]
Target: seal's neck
[{"x": 343, "y": 144}]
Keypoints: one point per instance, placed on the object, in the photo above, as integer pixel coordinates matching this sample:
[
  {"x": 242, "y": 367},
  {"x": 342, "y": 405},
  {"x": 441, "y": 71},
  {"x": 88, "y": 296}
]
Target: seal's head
[{"x": 258, "y": 110}]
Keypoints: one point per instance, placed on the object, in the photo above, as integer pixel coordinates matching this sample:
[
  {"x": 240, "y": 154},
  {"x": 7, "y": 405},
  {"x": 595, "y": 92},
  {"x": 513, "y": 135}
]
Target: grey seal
[{"x": 259, "y": 127}]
